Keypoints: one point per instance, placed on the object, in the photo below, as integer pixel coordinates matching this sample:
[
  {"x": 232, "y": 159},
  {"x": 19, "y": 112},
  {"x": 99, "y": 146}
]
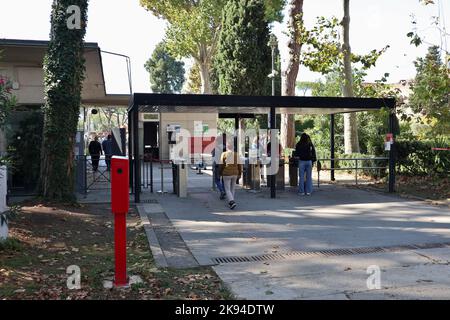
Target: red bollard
[{"x": 120, "y": 203}]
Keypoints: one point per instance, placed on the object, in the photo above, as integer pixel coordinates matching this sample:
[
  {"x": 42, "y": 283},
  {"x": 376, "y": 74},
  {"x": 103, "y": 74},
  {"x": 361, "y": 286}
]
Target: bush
[
  {"x": 418, "y": 158},
  {"x": 10, "y": 244}
]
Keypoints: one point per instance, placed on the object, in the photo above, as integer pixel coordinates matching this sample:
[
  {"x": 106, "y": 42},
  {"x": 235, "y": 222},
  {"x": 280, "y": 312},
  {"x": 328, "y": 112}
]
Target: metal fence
[
  {"x": 88, "y": 179},
  {"x": 359, "y": 164}
]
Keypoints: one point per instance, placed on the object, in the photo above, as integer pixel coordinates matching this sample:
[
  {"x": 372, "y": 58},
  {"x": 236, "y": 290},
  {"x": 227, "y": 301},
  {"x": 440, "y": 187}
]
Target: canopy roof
[
  {"x": 201, "y": 103},
  {"x": 22, "y": 61}
]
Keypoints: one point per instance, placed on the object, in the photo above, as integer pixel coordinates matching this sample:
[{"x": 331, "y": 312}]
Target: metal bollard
[{"x": 162, "y": 179}]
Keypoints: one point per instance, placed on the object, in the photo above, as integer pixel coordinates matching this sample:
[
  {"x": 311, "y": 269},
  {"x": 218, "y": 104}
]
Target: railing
[
  {"x": 355, "y": 168},
  {"x": 148, "y": 165},
  {"x": 89, "y": 180}
]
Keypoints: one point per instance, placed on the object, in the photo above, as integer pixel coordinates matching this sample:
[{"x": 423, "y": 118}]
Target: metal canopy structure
[
  {"x": 201, "y": 103},
  {"x": 236, "y": 105}
]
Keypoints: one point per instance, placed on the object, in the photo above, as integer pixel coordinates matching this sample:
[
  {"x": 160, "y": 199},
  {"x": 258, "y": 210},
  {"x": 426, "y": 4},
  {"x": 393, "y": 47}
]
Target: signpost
[{"x": 120, "y": 203}]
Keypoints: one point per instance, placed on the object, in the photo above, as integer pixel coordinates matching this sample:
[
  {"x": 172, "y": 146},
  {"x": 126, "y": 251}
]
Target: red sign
[{"x": 200, "y": 145}]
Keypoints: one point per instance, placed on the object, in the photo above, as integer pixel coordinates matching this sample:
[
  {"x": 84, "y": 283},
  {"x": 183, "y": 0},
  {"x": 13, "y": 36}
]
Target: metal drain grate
[
  {"x": 328, "y": 253},
  {"x": 149, "y": 201}
]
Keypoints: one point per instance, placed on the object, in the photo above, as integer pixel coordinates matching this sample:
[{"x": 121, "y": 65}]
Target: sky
[{"x": 124, "y": 27}]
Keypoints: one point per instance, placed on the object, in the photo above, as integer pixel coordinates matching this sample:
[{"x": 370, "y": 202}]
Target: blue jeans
[
  {"x": 217, "y": 180},
  {"x": 305, "y": 186}
]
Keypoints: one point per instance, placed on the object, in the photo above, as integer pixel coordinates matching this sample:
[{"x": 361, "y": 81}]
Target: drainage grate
[
  {"x": 149, "y": 201},
  {"x": 328, "y": 253}
]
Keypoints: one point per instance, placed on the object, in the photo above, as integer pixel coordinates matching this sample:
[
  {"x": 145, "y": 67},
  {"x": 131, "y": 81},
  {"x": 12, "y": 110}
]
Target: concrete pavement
[{"x": 333, "y": 217}]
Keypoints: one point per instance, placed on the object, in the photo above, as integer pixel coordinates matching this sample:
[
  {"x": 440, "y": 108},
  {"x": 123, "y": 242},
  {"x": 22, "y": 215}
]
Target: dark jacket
[
  {"x": 95, "y": 148},
  {"x": 305, "y": 152},
  {"x": 107, "y": 147}
]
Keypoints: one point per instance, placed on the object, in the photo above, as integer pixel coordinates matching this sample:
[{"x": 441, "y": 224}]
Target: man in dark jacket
[
  {"x": 305, "y": 153},
  {"x": 107, "y": 149},
  {"x": 95, "y": 150}
]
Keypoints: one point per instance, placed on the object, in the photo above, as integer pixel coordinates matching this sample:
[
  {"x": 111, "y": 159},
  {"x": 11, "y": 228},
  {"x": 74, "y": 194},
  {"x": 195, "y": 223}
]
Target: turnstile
[
  {"x": 180, "y": 178},
  {"x": 280, "y": 180}
]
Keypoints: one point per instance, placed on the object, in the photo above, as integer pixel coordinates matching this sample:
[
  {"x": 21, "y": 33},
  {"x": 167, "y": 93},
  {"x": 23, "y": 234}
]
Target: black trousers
[
  {"x": 108, "y": 161},
  {"x": 95, "y": 159}
]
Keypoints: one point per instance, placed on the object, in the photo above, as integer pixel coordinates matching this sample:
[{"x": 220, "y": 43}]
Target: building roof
[{"x": 28, "y": 55}]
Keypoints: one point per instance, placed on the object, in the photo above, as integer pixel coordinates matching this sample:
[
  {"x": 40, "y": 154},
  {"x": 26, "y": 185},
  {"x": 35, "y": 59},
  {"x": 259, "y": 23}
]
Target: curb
[{"x": 153, "y": 242}]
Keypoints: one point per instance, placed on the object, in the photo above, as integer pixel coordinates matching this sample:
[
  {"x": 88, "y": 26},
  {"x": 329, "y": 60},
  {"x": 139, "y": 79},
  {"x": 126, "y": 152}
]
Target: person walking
[
  {"x": 95, "y": 151},
  {"x": 230, "y": 170},
  {"x": 215, "y": 157},
  {"x": 107, "y": 149},
  {"x": 305, "y": 153}
]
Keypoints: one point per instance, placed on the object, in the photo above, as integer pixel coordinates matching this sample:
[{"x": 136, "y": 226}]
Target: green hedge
[
  {"x": 418, "y": 158},
  {"x": 414, "y": 157}
]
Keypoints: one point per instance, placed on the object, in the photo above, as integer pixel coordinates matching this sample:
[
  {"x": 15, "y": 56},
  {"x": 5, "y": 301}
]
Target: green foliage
[
  {"x": 7, "y": 100},
  {"x": 322, "y": 51},
  {"x": 431, "y": 92},
  {"x": 10, "y": 245},
  {"x": 416, "y": 157},
  {"x": 166, "y": 73},
  {"x": 371, "y": 135},
  {"x": 9, "y": 214},
  {"x": 63, "y": 76},
  {"x": 194, "y": 84},
  {"x": 194, "y": 26},
  {"x": 25, "y": 147},
  {"x": 243, "y": 58},
  {"x": 437, "y": 23}
]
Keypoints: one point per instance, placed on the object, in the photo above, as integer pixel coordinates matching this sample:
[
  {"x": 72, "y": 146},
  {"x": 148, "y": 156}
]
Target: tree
[
  {"x": 194, "y": 84},
  {"x": 375, "y": 122},
  {"x": 437, "y": 23},
  {"x": 323, "y": 52},
  {"x": 350, "y": 123},
  {"x": 194, "y": 28},
  {"x": 243, "y": 59},
  {"x": 63, "y": 76},
  {"x": 7, "y": 100},
  {"x": 431, "y": 91},
  {"x": 166, "y": 73},
  {"x": 287, "y": 120}
]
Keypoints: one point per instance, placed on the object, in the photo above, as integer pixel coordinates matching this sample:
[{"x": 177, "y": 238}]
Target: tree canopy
[
  {"x": 243, "y": 57},
  {"x": 194, "y": 28},
  {"x": 430, "y": 90},
  {"x": 166, "y": 73}
]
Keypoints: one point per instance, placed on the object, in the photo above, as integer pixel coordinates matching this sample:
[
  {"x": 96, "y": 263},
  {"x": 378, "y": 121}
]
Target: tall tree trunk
[
  {"x": 63, "y": 77},
  {"x": 205, "y": 77},
  {"x": 204, "y": 63},
  {"x": 351, "y": 140},
  {"x": 290, "y": 76}
]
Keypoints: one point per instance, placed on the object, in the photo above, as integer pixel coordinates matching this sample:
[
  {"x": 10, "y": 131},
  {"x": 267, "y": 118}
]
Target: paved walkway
[{"x": 283, "y": 241}]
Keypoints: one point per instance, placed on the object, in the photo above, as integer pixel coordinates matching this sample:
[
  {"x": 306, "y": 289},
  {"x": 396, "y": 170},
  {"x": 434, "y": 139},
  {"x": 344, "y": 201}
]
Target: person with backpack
[
  {"x": 230, "y": 169},
  {"x": 305, "y": 153}
]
